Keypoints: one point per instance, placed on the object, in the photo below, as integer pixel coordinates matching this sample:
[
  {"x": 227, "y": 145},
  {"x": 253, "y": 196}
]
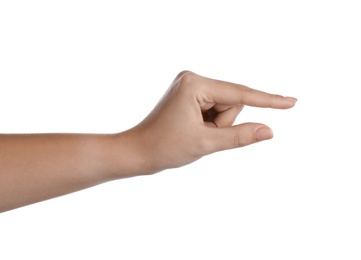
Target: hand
[{"x": 194, "y": 118}]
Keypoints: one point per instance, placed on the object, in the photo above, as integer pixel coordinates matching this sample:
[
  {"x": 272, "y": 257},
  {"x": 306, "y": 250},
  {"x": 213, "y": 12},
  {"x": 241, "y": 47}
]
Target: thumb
[{"x": 237, "y": 136}]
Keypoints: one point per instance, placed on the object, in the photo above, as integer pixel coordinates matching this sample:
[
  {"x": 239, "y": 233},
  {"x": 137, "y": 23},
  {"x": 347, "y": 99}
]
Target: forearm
[{"x": 37, "y": 167}]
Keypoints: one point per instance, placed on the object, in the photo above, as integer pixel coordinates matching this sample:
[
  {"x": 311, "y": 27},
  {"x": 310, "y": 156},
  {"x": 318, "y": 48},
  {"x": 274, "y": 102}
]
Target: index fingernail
[{"x": 291, "y": 99}]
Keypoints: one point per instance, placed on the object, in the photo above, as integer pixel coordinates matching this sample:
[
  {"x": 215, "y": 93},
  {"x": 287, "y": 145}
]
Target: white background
[{"x": 101, "y": 66}]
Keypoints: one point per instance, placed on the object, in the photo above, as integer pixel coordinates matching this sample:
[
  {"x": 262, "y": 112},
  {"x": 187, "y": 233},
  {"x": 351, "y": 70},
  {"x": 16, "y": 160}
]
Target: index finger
[{"x": 228, "y": 93}]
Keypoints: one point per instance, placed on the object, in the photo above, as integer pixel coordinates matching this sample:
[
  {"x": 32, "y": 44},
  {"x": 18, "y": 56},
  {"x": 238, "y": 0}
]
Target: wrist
[{"x": 123, "y": 156}]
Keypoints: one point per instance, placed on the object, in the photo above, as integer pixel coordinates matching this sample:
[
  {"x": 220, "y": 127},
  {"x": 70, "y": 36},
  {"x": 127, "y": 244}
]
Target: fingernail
[
  {"x": 291, "y": 99},
  {"x": 264, "y": 133}
]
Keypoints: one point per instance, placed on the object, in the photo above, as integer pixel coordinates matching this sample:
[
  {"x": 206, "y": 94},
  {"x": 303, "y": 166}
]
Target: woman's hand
[{"x": 194, "y": 118}]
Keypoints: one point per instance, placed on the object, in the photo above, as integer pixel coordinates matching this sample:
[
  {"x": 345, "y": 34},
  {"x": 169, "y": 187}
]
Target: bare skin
[{"x": 194, "y": 118}]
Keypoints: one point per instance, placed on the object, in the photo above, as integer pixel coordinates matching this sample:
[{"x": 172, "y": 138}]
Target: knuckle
[
  {"x": 185, "y": 81},
  {"x": 186, "y": 77},
  {"x": 180, "y": 74},
  {"x": 238, "y": 139}
]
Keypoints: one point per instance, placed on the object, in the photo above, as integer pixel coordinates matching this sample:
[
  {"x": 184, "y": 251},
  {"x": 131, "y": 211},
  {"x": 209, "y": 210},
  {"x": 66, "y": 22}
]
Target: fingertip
[
  {"x": 264, "y": 133},
  {"x": 291, "y": 101}
]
